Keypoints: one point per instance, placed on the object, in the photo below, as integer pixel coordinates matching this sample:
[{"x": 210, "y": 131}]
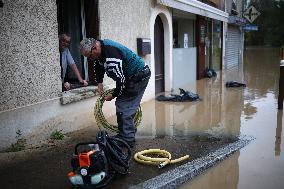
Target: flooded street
[
  {"x": 222, "y": 112},
  {"x": 260, "y": 164}
]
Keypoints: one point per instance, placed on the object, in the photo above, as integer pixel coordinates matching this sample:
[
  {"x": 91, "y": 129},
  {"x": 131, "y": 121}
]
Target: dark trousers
[{"x": 126, "y": 107}]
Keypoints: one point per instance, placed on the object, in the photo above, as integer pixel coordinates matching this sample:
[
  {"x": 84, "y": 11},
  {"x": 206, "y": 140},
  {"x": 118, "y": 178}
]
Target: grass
[
  {"x": 57, "y": 135},
  {"x": 20, "y": 143}
]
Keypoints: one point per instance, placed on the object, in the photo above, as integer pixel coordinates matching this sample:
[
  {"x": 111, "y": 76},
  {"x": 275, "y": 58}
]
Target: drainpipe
[{"x": 281, "y": 86}]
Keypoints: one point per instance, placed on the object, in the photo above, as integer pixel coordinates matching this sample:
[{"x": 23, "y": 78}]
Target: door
[{"x": 159, "y": 56}]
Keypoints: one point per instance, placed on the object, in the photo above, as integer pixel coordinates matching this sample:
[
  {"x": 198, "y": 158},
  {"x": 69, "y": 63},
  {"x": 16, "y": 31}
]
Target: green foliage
[
  {"x": 19, "y": 145},
  {"x": 270, "y": 24},
  {"x": 57, "y": 135}
]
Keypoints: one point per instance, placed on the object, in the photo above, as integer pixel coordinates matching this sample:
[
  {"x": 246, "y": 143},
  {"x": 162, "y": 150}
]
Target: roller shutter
[{"x": 233, "y": 47}]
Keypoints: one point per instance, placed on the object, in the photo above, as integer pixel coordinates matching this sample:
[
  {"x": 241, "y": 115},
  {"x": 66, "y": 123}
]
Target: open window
[{"x": 78, "y": 19}]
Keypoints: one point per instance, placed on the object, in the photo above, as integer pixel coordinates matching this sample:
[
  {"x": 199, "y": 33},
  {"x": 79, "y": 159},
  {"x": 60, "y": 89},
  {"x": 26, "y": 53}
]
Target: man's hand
[
  {"x": 67, "y": 86},
  {"x": 108, "y": 97},
  {"x": 100, "y": 88},
  {"x": 84, "y": 82}
]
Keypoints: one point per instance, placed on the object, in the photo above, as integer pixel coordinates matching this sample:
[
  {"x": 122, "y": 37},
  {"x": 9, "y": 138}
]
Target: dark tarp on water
[
  {"x": 235, "y": 84},
  {"x": 183, "y": 97},
  {"x": 210, "y": 73}
]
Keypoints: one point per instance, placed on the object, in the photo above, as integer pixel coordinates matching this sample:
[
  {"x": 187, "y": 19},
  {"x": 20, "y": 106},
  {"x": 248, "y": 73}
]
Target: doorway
[{"x": 159, "y": 56}]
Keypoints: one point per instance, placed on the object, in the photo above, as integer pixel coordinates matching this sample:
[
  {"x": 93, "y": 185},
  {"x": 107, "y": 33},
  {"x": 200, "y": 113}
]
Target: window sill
[{"x": 78, "y": 94}]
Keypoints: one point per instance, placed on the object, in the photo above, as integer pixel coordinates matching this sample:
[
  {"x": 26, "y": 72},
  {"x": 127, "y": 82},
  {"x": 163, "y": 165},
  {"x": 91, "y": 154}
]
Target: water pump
[{"x": 94, "y": 164}]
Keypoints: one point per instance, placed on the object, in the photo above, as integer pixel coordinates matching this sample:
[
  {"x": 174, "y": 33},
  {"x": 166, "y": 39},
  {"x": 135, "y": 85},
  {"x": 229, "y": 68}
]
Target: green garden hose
[{"x": 101, "y": 120}]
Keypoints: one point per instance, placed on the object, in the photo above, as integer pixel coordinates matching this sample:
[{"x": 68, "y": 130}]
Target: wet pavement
[
  {"x": 223, "y": 113},
  {"x": 47, "y": 166}
]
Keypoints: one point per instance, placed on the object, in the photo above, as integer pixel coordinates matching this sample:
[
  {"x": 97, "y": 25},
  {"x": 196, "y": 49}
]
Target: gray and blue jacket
[{"x": 119, "y": 63}]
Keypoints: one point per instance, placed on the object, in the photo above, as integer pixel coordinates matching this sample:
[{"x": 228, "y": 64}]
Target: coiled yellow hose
[
  {"x": 161, "y": 162},
  {"x": 101, "y": 120}
]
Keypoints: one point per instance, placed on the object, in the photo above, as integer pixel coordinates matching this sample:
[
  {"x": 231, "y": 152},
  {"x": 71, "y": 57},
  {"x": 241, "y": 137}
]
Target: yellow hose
[
  {"x": 160, "y": 161},
  {"x": 101, "y": 120}
]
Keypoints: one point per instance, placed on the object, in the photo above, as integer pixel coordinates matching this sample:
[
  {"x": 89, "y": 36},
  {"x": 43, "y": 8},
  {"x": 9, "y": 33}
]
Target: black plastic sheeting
[
  {"x": 210, "y": 73},
  {"x": 185, "y": 96},
  {"x": 235, "y": 84}
]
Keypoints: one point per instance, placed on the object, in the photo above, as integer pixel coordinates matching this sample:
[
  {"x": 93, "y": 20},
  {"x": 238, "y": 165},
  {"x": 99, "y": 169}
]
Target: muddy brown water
[{"x": 260, "y": 165}]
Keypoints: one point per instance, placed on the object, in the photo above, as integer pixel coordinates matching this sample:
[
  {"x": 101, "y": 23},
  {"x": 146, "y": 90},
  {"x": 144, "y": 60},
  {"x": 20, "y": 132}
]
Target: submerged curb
[{"x": 176, "y": 177}]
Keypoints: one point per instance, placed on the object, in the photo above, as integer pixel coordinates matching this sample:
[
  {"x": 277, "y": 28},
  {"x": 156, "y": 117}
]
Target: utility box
[{"x": 143, "y": 46}]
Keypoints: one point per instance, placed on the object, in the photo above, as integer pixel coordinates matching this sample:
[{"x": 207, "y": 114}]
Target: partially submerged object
[
  {"x": 235, "y": 84},
  {"x": 209, "y": 72},
  {"x": 183, "y": 97}
]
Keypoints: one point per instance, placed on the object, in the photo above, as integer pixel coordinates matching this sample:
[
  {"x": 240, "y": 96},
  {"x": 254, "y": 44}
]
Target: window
[
  {"x": 78, "y": 19},
  {"x": 183, "y": 29}
]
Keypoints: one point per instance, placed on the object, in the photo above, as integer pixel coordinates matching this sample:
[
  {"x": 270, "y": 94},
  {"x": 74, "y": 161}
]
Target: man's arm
[
  {"x": 115, "y": 71},
  {"x": 78, "y": 75},
  {"x": 73, "y": 66},
  {"x": 114, "y": 68},
  {"x": 99, "y": 76}
]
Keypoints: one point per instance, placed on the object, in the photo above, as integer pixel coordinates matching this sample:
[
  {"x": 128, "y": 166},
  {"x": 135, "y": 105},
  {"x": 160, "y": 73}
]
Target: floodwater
[{"x": 250, "y": 111}]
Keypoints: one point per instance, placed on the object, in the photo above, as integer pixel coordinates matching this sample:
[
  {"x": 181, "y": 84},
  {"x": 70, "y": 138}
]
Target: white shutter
[{"x": 233, "y": 46}]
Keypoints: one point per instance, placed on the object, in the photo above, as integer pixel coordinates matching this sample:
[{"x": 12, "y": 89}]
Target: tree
[{"x": 270, "y": 24}]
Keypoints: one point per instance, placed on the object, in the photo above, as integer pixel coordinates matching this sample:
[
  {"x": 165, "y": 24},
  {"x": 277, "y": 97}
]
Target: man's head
[
  {"x": 64, "y": 41},
  {"x": 90, "y": 48}
]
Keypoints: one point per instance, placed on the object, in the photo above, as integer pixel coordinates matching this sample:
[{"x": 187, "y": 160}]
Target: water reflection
[
  {"x": 225, "y": 175},
  {"x": 249, "y": 110},
  {"x": 261, "y": 72},
  {"x": 218, "y": 113},
  {"x": 278, "y": 133}
]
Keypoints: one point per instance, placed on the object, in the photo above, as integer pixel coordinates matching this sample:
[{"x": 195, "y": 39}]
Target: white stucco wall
[
  {"x": 124, "y": 21},
  {"x": 166, "y": 16},
  {"x": 37, "y": 122},
  {"x": 29, "y": 61}
]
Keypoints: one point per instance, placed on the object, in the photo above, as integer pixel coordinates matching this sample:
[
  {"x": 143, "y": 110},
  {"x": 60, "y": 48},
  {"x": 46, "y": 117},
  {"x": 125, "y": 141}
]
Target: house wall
[
  {"x": 124, "y": 21},
  {"x": 30, "y": 70},
  {"x": 165, "y": 14},
  {"x": 29, "y": 61}
]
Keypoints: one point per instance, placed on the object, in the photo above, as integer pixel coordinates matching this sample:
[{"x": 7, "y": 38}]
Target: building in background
[
  {"x": 197, "y": 40},
  {"x": 234, "y": 34}
]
